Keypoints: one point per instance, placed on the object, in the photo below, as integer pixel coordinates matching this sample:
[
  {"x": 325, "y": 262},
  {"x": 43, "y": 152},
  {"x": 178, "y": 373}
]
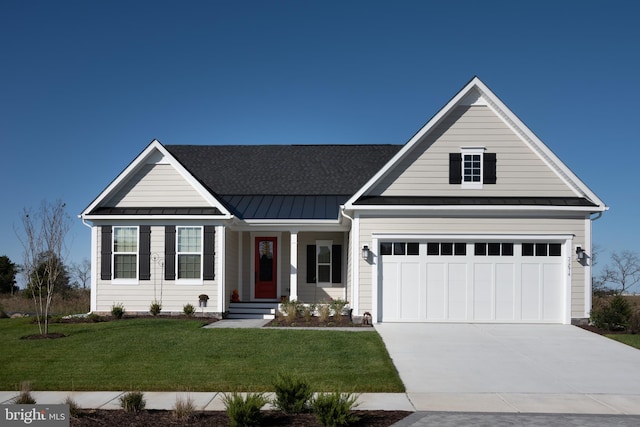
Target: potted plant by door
[{"x": 203, "y": 298}]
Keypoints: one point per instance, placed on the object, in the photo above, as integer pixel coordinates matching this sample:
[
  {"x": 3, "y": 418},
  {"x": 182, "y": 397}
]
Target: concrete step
[
  {"x": 250, "y": 316},
  {"x": 252, "y": 310}
]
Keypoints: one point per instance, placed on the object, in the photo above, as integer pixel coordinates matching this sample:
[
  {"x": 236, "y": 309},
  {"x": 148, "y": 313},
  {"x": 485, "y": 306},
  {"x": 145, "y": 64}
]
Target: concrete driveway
[{"x": 513, "y": 368}]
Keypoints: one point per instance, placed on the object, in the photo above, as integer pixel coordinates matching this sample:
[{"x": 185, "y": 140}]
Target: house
[{"x": 473, "y": 219}]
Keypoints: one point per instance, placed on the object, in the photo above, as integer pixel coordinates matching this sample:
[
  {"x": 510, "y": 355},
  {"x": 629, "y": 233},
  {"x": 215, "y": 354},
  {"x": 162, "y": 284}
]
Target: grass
[
  {"x": 156, "y": 354},
  {"x": 630, "y": 339}
]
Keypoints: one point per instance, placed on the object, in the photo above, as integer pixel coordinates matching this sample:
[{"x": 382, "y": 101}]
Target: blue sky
[{"x": 86, "y": 85}]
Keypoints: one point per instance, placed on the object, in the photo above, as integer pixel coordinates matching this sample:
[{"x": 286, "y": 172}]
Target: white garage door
[{"x": 441, "y": 281}]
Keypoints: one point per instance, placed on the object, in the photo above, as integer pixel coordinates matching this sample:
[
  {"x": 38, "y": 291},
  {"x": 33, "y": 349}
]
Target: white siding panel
[{"x": 156, "y": 185}]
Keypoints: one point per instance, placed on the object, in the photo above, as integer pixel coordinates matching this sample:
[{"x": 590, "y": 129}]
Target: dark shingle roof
[{"x": 283, "y": 169}]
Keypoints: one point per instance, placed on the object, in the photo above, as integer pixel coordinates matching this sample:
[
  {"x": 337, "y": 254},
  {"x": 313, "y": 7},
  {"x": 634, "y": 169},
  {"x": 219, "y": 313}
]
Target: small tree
[
  {"x": 8, "y": 271},
  {"x": 44, "y": 233},
  {"x": 82, "y": 272},
  {"x": 623, "y": 272}
]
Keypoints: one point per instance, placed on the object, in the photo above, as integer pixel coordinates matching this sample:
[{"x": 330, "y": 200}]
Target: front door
[{"x": 265, "y": 267}]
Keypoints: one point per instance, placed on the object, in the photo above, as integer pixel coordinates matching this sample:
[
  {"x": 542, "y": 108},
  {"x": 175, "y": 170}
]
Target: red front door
[{"x": 265, "y": 265}]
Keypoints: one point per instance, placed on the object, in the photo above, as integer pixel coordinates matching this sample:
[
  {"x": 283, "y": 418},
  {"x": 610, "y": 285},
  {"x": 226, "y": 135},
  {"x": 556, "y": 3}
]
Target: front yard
[{"x": 178, "y": 355}]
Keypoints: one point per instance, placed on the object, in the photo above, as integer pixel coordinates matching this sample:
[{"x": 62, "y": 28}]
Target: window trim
[
  {"x": 470, "y": 151},
  {"x": 189, "y": 281},
  {"x": 125, "y": 280}
]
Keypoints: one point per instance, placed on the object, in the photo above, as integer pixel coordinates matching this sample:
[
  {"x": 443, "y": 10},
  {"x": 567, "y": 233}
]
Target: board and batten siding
[
  {"x": 138, "y": 297},
  {"x": 425, "y": 171},
  {"x": 472, "y": 226},
  {"x": 156, "y": 185}
]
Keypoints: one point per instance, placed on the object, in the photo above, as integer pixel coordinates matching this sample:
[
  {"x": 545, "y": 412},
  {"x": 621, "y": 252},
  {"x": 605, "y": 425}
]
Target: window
[
  {"x": 125, "y": 252},
  {"x": 493, "y": 249},
  {"x": 189, "y": 252},
  {"x": 541, "y": 249},
  {"x": 471, "y": 170},
  {"x": 324, "y": 263},
  {"x": 446, "y": 248},
  {"x": 399, "y": 248},
  {"x": 472, "y": 167}
]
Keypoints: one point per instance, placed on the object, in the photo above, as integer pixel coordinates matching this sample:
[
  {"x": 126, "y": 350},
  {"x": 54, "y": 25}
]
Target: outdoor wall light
[
  {"x": 580, "y": 253},
  {"x": 365, "y": 252}
]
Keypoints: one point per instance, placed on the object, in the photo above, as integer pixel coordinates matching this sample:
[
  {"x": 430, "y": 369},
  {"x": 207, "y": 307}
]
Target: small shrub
[
  {"x": 188, "y": 310},
  {"x": 74, "y": 408},
  {"x": 324, "y": 312},
  {"x": 611, "y": 314},
  {"x": 634, "y": 320},
  {"x": 292, "y": 394},
  {"x": 132, "y": 401},
  {"x": 93, "y": 317},
  {"x": 117, "y": 310},
  {"x": 25, "y": 397},
  {"x": 184, "y": 409},
  {"x": 308, "y": 311},
  {"x": 244, "y": 412},
  {"x": 291, "y": 309},
  {"x": 335, "y": 409},
  {"x": 155, "y": 308}
]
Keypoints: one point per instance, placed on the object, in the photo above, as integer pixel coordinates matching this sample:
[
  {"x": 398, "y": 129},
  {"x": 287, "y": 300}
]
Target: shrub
[
  {"x": 132, "y": 401},
  {"x": 74, "y": 408},
  {"x": 155, "y": 308},
  {"x": 25, "y": 397},
  {"x": 335, "y": 409},
  {"x": 291, "y": 309},
  {"x": 244, "y": 412},
  {"x": 634, "y": 320},
  {"x": 292, "y": 394},
  {"x": 308, "y": 311},
  {"x": 117, "y": 310},
  {"x": 611, "y": 314},
  {"x": 188, "y": 310},
  {"x": 324, "y": 312},
  {"x": 184, "y": 409}
]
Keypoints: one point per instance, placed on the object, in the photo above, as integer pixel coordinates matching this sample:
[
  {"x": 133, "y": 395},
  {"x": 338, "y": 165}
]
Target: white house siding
[
  {"x": 231, "y": 259},
  {"x": 408, "y": 225},
  {"x": 425, "y": 171},
  {"x": 310, "y": 292},
  {"x": 156, "y": 185},
  {"x": 138, "y": 297}
]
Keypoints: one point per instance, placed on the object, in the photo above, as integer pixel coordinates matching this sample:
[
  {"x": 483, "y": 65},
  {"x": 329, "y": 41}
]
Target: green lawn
[
  {"x": 630, "y": 339},
  {"x": 170, "y": 354}
]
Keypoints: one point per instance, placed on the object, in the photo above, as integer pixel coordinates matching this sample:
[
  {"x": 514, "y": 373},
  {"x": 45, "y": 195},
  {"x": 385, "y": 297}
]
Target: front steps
[{"x": 252, "y": 310}]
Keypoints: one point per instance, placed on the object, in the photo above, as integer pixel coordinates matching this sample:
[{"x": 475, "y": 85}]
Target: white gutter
[{"x": 476, "y": 208}]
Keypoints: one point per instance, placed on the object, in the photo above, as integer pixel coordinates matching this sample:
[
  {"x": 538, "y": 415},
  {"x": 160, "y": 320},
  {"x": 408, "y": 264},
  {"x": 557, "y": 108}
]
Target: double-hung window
[
  {"x": 189, "y": 253},
  {"x": 323, "y": 264},
  {"x": 472, "y": 167},
  {"x": 125, "y": 253}
]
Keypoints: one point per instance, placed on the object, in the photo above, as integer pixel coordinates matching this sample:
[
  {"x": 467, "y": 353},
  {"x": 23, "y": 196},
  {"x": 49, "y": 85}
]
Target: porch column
[{"x": 293, "y": 279}]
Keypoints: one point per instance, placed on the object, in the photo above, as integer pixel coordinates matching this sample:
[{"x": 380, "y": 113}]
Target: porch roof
[{"x": 285, "y": 206}]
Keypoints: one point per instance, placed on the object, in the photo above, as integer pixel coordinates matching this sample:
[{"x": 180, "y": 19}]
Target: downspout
[{"x": 352, "y": 260}]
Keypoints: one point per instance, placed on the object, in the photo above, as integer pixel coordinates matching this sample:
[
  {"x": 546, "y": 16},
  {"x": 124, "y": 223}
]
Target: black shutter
[
  {"x": 145, "y": 252},
  {"x": 489, "y": 168},
  {"x": 170, "y": 252},
  {"x": 209, "y": 252},
  {"x": 311, "y": 263},
  {"x": 105, "y": 253},
  {"x": 336, "y": 264},
  {"x": 455, "y": 168}
]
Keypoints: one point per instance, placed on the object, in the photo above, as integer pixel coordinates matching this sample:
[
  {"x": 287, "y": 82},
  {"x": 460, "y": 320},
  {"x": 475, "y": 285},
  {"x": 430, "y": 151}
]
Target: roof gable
[
  {"x": 155, "y": 183},
  {"x": 487, "y": 117}
]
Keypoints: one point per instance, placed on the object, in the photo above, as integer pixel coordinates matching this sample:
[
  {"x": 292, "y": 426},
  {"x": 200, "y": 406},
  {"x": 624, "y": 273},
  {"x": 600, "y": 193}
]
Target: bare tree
[
  {"x": 43, "y": 237},
  {"x": 624, "y": 270},
  {"x": 82, "y": 272}
]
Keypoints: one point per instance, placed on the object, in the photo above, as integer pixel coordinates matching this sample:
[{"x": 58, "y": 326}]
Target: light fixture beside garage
[
  {"x": 365, "y": 252},
  {"x": 579, "y": 253}
]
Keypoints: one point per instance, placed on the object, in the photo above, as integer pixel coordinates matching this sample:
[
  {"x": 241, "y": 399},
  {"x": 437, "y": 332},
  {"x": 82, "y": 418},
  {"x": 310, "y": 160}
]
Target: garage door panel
[
  {"x": 410, "y": 290},
  {"x": 391, "y": 293},
  {"x": 436, "y": 291},
  {"x": 505, "y": 294},
  {"x": 552, "y": 294},
  {"x": 482, "y": 291},
  {"x": 531, "y": 291},
  {"x": 457, "y": 287}
]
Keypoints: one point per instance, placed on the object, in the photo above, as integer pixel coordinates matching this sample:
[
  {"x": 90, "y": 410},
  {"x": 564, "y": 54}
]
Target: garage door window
[
  {"x": 493, "y": 249},
  {"x": 446, "y": 248},
  {"x": 541, "y": 249},
  {"x": 399, "y": 248}
]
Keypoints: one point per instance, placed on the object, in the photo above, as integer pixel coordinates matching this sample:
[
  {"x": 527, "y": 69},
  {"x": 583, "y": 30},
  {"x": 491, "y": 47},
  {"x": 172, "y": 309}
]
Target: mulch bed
[
  {"x": 103, "y": 417},
  {"x": 315, "y": 322}
]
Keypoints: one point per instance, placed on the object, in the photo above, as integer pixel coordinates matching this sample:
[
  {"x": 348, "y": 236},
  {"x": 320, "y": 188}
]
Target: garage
[{"x": 508, "y": 281}]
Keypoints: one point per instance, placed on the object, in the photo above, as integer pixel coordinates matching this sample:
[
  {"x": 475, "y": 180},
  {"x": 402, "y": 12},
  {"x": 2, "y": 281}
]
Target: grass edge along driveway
[{"x": 159, "y": 354}]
